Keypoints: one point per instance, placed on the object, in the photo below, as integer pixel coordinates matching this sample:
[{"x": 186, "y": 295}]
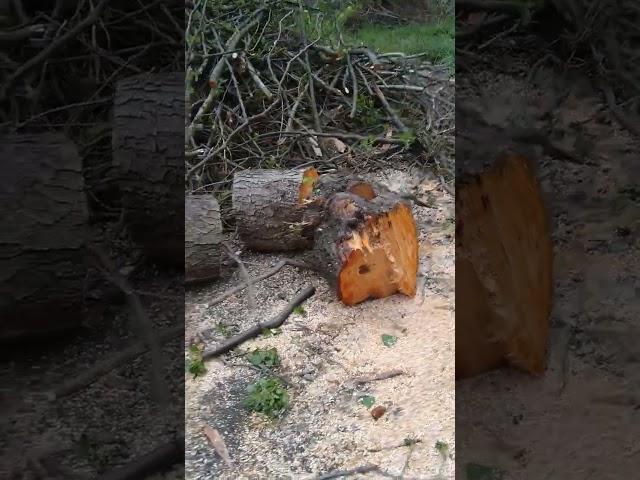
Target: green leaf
[
  {"x": 267, "y": 396},
  {"x": 442, "y": 448},
  {"x": 299, "y": 310},
  {"x": 367, "y": 401},
  {"x": 267, "y": 358},
  {"x": 388, "y": 340},
  {"x": 482, "y": 472}
]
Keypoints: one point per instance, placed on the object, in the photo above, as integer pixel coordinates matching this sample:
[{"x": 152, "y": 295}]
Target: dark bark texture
[
  {"x": 268, "y": 211},
  {"x": 203, "y": 238},
  {"x": 148, "y": 147},
  {"x": 44, "y": 235}
]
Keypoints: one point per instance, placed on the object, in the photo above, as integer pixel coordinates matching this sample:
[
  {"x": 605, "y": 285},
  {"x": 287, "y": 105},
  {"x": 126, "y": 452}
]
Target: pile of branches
[
  {"x": 601, "y": 36},
  {"x": 60, "y": 62},
  {"x": 266, "y": 90}
]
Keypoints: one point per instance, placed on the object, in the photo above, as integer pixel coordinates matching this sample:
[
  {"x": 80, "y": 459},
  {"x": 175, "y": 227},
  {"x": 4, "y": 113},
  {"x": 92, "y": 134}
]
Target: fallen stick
[
  {"x": 379, "y": 376},
  {"x": 346, "y": 473},
  {"x": 102, "y": 368},
  {"x": 245, "y": 275},
  {"x": 232, "y": 291},
  {"x": 140, "y": 321},
  {"x": 408, "y": 442},
  {"x": 255, "y": 330},
  {"x": 160, "y": 459}
]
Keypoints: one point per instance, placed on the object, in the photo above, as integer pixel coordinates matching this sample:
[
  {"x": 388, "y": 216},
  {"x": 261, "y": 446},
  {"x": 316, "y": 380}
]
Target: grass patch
[
  {"x": 436, "y": 40},
  {"x": 195, "y": 364}
]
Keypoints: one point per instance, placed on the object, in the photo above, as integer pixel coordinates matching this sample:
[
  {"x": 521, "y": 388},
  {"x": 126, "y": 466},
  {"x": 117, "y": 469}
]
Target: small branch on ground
[
  {"x": 245, "y": 275},
  {"x": 112, "y": 362},
  {"x": 140, "y": 321},
  {"x": 257, "y": 329},
  {"x": 378, "y": 376},
  {"x": 353, "y": 471},
  {"x": 232, "y": 291}
]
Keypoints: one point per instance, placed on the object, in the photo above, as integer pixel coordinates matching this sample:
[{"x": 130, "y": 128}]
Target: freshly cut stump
[
  {"x": 367, "y": 248},
  {"x": 43, "y": 237},
  {"x": 503, "y": 267},
  {"x": 203, "y": 238},
  {"x": 148, "y": 147},
  {"x": 269, "y": 206}
]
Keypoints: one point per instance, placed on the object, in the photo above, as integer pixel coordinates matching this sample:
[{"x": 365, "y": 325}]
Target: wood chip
[{"x": 378, "y": 411}]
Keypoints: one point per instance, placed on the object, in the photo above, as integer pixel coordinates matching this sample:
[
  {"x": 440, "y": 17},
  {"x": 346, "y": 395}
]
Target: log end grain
[
  {"x": 379, "y": 257},
  {"x": 503, "y": 269}
]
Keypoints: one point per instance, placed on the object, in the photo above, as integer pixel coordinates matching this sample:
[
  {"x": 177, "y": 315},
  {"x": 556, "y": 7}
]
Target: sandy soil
[
  {"x": 581, "y": 419},
  {"x": 326, "y": 428}
]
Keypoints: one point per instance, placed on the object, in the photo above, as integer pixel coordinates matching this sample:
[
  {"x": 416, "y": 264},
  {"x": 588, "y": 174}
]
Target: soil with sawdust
[
  {"x": 326, "y": 427},
  {"x": 580, "y": 419}
]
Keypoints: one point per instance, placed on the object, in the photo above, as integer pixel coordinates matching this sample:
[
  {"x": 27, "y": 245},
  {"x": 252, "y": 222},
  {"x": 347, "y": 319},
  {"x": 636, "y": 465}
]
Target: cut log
[
  {"x": 367, "y": 248},
  {"x": 43, "y": 236},
  {"x": 203, "y": 238},
  {"x": 503, "y": 267},
  {"x": 269, "y": 206},
  {"x": 148, "y": 147}
]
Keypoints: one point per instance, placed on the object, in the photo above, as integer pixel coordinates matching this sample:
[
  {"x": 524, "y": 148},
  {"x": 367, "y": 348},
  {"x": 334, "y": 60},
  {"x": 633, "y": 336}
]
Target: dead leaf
[{"x": 217, "y": 442}]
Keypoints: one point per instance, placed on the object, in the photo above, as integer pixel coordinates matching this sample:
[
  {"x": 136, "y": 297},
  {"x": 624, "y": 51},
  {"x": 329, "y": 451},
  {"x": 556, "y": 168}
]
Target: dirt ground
[
  {"x": 581, "y": 419},
  {"x": 326, "y": 428}
]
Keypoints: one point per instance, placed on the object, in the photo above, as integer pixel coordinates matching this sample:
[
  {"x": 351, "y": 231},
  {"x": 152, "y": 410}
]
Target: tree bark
[
  {"x": 148, "y": 147},
  {"x": 269, "y": 207},
  {"x": 43, "y": 237},
  {"x": 366, "y": 248},
  {"x": 203, "y": 238},
  {"x": 503, "y": 266}
]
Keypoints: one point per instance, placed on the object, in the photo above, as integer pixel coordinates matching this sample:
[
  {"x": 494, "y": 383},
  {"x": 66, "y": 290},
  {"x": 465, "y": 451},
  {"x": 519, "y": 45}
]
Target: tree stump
[
  {"x": 43, "y": 237},
  {"x": 203, "y": 238},
  {"x": 503, "y": 267},
  {"x": 367, "y": 248},
  {"x": 269, "y": 205},
  {"x": 148, "y": 147}
]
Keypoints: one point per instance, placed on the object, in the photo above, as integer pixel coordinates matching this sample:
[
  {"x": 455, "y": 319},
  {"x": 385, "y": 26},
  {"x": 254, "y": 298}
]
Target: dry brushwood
[
  {"x": 503, "y": 266},
  {"x": 43, "y": 273},
  {"x": 284, "y": 92},
  {"x": 203, "y": 238},
  {"x": 60, "y": 63}
]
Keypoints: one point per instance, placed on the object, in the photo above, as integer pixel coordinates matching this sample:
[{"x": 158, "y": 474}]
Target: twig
[
  {"x": 87, "y": 377},
  {"x": 258, "y": 81},
  {"x": 245, "y": 275},
  {"x": 346, "y": 473},
  {"x": 404, "y": 443},
  {"x": 238, "y": 129},
  {"x": 141, "y": 322},
  {"x": 378, "y": 376},
  {"x": 232, "y": 291},
  {"x": 52, "y": 47},
  {"x": 394, "y": 117},
  {"x": 257, "y": 329},
  {"x": 354, "y": 79}
]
